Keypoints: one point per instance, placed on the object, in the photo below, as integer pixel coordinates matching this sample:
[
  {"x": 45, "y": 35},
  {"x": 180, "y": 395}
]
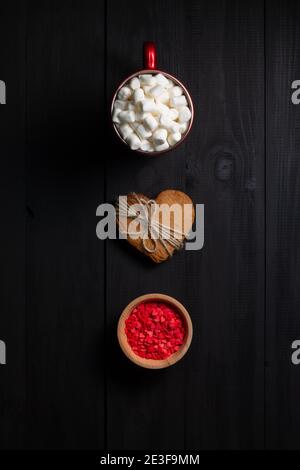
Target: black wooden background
[{"x": 66, "y": 383}]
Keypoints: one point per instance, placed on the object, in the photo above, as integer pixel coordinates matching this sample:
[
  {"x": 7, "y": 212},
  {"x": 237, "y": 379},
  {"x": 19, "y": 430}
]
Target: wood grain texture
[
  {"x": 224, "y": 283},
  {"x": 13, "y": 227},
  {"x": 283, "y": 225},
  {"x": 66, "y": 315},
  {"x": 142, "y": 403},
  {"x": 67, "y": 384},
  {"x": 219, "y": 392}
]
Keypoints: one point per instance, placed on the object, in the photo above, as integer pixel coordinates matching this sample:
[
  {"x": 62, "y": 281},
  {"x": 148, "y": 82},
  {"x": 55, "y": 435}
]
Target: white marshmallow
[
  {"x": 142, "y": 132},
  {"x": 173, "y": 114},
  {"x": 168, "y": 124},
  {"x": 147, "y": 79},
  {"x": 120, "y": 104},
  {"x": 138, "y": 95},
  {"x": 160, "y": 136},
  {"x": 148, "y": 106},
  {"x": 161, "y": 148},
  {"x": 127, "y": 116},
  {"x": 125, "y": 131},
  {"x": 169, "y": 85},
  {"x": 184, "y": 114},
  {"x": 151, "y": 122},
  {"x": 135, "y": 84},
  {"x": 162, "y": 80},
  {"x": 140, "y": 116},
  {"x": 124, "y": 93},
  {"x": 175, "y": 127},
  {"x": 175, "y": 91},
  {"x": 174, "y": 138},
  {"x": 165, "y": 121},
  {"x": 147, "y": 89},
  {"x": 163, "y": 109},
  {"x": 146, "y": 146},
  {"x": 115, "y": 116},
  {"x": 130, "y": 107},
  {"x": 183, "y": 127},
  {"x": 164, "y": 97},
  {"x": 133, "y": 141},
  {"x": 178, "y": 101},
  {"x": 156, "y": 91}
]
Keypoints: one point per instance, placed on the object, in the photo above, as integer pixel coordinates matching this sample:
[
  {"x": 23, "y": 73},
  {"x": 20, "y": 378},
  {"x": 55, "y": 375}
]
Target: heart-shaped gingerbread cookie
[{"x": 156, "y": 227}]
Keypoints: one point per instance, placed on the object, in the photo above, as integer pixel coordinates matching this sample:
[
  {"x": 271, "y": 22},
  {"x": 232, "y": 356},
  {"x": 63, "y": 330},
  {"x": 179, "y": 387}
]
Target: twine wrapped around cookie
[{"x": 143, "y": 212}]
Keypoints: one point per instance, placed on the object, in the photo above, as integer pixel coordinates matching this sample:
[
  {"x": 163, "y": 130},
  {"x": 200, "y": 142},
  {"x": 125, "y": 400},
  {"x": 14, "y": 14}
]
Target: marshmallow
[
  {"x": 161, "y": 148},
  {"x": 135, "y": 84},
  {"x": 147, "y": 89},
  {"x": 119, "y": 104},
  {"x": 165, "y": 121},
  {"x": 175, "y": 127},
  {"x": 138, "y": 95},
  {"x": 162, "y": 108},
  {"x": 176, "y": 91},
  {"x": 183, "y": 127},
  {"x": 151, "y": 122},
  {"x": 163, "y": 97},
  {"x": 140, "y": 116},
  {"x": 162, "y": 80},
  {"x": 169, "y": 85},
  {"x": 148, "y": 106},
  {"x": 146, "y": 146},
  {"x": 173, "y": 114},
  {"x": 168, "y": 124},
  {"x": 127, "y": 116},
  {"x": 116, "y": 113},
  {"x": 184, "y": 114},
  {"x": 178, "y": 101},
  {"x": 125, "y": 131},
  {"x": 159, "y": 136},
  {"x": 133, "y": 141},
  {"x": 142, "y": 132},
  {"x": 174, "y": 138},
  {"x": 147, "y": 79},
  {"x": 156, "y": 91},
  {"x": 124, "y": 93}
]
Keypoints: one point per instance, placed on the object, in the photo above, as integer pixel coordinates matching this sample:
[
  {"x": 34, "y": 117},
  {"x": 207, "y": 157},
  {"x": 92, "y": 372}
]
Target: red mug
[{"x": 150, "y": 66}]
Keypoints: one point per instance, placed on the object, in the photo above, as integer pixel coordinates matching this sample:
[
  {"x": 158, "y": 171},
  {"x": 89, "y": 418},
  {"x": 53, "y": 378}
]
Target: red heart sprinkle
[{"x": 155, "y": 330}]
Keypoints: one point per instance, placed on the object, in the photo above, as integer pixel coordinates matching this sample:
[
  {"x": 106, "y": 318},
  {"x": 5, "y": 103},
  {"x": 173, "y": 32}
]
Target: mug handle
[{"x": 150, "y": 56}]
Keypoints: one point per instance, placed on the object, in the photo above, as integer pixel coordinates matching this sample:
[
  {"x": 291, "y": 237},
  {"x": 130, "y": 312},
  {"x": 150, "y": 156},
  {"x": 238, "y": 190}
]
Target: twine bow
[{"x": 151, "y": 228}]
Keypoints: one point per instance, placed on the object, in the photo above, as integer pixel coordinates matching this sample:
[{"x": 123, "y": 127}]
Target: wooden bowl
[{"x": 153, "y": 363}]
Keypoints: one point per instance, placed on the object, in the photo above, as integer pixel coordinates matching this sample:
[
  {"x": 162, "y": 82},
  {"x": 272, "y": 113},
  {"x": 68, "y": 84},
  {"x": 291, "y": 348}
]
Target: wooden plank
[
  {"x": 225, "y": 171},
  {"x": 13, "y": 227},
  {"x": 66, "y": 315},
  {"x": 214, "y": 398},
  {"x": 283, "y": 223},
  {"x": 145, "y": 408}
]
